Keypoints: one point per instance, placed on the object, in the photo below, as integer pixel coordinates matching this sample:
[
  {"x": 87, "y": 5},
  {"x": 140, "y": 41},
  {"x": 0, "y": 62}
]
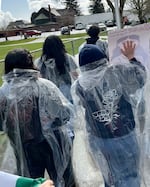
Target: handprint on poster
[{"x": 140, "y": 35}]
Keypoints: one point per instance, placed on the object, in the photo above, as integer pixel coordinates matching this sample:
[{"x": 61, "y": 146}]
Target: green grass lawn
[
  {"x": 24, "y": 43},
  {"x": 72, "y": 43},
  {"x": 6, "y": 48},
  {"x": 18, "y": 41},
  {"x": 3, "y": 144}
]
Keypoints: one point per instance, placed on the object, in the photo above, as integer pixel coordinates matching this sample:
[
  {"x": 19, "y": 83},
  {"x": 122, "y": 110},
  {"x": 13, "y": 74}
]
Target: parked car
[
  {"x": 71, "y": 27},
  {"x": 52, "y": 29},
  {"x": 79, "y": 26},
  {"x": 110, "y": 23},
  {"x": 32, "y": 33},
  {"x": 133, "y": 23},
  {"x": 102, "y": 27},
  {"x": 65, "y": 30}
]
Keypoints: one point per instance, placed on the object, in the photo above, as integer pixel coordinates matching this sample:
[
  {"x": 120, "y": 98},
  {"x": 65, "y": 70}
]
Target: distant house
[
  {"x": 55, "y": 18},
  {"x": 14, "y": 28},
  {"x": 18, "y": 24},
  {"x": 45, "y": 15},
  {"x": 46, "y": 19}
]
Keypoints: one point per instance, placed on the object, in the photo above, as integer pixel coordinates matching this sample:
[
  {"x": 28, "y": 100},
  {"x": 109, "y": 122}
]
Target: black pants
[{"x": 39, "y": 157}]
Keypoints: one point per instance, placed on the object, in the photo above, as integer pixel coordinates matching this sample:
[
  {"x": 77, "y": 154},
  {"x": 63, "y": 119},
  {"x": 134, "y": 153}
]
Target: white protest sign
[{"x": 140, "y": 34}]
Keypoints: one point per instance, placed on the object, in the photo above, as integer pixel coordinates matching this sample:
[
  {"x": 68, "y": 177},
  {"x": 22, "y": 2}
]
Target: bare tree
[
  {"x": 141, "y": 8},
  {"x": 121, "y": 7}
]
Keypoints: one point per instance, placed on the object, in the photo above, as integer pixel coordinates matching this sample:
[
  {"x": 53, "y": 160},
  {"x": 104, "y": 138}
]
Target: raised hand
[
  {"x": 47, "y": 183},
  {"x": 128, "y": 49}
]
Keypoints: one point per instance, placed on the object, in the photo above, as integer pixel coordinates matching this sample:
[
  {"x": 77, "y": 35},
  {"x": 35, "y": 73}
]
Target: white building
[{"x": 101, "y": 17}]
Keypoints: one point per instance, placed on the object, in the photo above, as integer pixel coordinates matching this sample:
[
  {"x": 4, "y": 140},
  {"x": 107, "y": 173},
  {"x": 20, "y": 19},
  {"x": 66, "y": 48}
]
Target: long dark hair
[
  {"x": 53, "y": 47},
  {"x": 18, "y": 58}
]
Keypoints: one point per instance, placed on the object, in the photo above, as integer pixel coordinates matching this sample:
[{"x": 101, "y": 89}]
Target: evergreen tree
[
  {"x": 96, "y": 6},
  {"x": 73, "y": 5}
]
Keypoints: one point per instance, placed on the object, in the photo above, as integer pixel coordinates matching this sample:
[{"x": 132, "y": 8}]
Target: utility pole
[
  {"x": 49, "y": 10},
  {"x": 117, "y": 14}
]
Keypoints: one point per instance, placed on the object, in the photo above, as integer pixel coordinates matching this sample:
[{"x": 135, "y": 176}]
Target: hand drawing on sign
[{"x": 109, "y": 113}]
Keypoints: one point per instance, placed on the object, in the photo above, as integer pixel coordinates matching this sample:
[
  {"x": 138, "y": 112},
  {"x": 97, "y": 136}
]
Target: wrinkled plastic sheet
[
  {"x": 7, "y": 157},
  {"x": 123, "y": 160}
]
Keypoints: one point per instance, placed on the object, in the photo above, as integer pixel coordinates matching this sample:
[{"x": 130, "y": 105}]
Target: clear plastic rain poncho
[
  {"x": 33, "y": 109},
  {"x": 49, "y": 71},
  {"x": 112, "y": 138}
]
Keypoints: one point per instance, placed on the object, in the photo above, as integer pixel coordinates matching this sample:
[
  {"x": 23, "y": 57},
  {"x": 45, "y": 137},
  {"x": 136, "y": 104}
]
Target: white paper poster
[{"x": 140, "y": 34}]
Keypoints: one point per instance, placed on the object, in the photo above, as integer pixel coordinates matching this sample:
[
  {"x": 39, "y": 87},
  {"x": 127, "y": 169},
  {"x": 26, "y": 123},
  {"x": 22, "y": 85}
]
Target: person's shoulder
[
  {"x": 4, "y": 87},
  {"x": 48, "y": 87},
  {"x": 76, "y": 88},
  {"x": 47, "y": 83},
  {"x": 71, "y": 61},
  {"x": 81, "y": 46},
  {"x": 38, "y": 63},
  {"x": 75, "y": 84},
  {"x": 69, "y": 56},
  {"x": 4, "y": 91},
  {"x": 122, "y": 70},
  {"x": 102, "y": 43},
  {"x": 117, "y": 66}
]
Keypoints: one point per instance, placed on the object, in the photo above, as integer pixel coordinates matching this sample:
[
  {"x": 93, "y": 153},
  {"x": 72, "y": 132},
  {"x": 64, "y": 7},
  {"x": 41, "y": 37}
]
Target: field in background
[{"x": 71, "y": 42}]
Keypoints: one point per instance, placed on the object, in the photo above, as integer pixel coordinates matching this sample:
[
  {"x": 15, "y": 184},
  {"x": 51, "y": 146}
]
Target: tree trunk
[{"x": 122, "y": 2}]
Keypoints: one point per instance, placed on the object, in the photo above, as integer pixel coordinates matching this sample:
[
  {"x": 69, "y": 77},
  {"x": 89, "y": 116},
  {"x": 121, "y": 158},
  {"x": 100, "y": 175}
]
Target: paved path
[{"x": 89, "y": 174}]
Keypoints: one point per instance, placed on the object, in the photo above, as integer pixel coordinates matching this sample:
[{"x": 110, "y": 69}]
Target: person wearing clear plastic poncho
[
  {"x": 56, "y": 65},
  {"x": 35, "y": 116},
  {"x": 93, "y": 33},
  {"x": 113, "y": 108}
]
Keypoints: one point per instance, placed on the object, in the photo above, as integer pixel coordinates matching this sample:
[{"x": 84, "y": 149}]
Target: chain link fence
[{"x": 71, "y": 45}]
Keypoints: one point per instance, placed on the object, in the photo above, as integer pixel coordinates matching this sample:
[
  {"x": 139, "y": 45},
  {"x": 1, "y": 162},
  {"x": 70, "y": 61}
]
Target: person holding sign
[{"x": 111, "y": 96}]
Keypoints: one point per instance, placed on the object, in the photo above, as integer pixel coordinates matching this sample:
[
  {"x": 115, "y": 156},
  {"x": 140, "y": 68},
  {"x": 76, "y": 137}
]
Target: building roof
[
  {"x": 53, "y": 11},
  {"x": 41, "y": 16},
  {"x": 17, "y": 24}
]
